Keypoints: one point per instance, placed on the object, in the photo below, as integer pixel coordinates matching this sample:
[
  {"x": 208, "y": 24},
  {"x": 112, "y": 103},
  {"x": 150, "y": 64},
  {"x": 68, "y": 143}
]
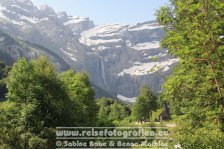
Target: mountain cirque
[{"x": 119, "y": 58}]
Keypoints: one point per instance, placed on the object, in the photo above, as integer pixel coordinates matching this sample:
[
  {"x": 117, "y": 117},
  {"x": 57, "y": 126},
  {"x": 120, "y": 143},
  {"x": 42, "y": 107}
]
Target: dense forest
[{"x": 36, "y": 98}]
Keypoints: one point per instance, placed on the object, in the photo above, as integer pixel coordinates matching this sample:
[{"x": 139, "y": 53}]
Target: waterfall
[{"x": 103, "y": 72}]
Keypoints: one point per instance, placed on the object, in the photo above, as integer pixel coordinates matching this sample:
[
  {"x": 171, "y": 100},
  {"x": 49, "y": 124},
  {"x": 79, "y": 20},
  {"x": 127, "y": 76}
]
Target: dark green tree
[
  {"x": 145, "y": 104},
  {"x": 104, "y": 112},
  {"x": 117, "y": 111},
  {"x": 3, "y": 74},
  {"x": 111, "y": 112}
]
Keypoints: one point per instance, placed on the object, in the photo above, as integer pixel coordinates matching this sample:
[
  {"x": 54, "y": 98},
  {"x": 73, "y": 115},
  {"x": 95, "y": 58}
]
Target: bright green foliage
[
  {"x": 117, "y": 111},
  {"x": 156, "y": 114},
  {"x": 10, "y": 125},
  {"x": 194, "y": 33},
  {"x": 83, "y": 95},
  {"x": 35, "y": 85},
  {"x": 104, "y": 112},
  {"x": 110, "y": 111},
  {"x": 144, "y": 105},
  {"x": 38, "y": 101}
]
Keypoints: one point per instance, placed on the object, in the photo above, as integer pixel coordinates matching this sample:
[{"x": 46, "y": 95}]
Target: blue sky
[{"x": 108, "y": 11}]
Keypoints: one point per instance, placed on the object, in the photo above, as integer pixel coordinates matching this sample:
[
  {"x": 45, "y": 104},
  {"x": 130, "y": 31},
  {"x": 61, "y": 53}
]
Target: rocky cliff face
[
  {"x": 130, "y": 56},
  {"x": 119, "y": 58},
  {"x": 11, "y": 49}
]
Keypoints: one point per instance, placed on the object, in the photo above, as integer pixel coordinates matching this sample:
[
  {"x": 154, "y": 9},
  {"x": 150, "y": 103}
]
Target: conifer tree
[{"x": 144, "y": 105}]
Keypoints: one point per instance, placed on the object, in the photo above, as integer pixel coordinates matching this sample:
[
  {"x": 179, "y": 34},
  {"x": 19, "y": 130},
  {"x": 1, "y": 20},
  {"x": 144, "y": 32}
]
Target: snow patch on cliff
[
  {"x": 77, "y": 19},
  {"x": 102, "y": 34},
  {"x": 121, "y": 97},
  {"x": 144, "y": 27},
  {"x": 146, "y": 45},
  {"x": 148, "y": 68}
]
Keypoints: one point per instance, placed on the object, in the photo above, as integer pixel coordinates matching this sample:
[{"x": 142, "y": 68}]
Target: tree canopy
[
  {"x": 145, "y": 104},
  {"x": 39, "y": 99},
  {"x": 194, "y": 34}
]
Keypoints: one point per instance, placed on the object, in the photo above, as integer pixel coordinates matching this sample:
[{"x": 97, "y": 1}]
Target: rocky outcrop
[
  {"x": 11, "y": 49},
  {"x": 119, "y": 58},
  {"x": 131, "y": 56}
]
